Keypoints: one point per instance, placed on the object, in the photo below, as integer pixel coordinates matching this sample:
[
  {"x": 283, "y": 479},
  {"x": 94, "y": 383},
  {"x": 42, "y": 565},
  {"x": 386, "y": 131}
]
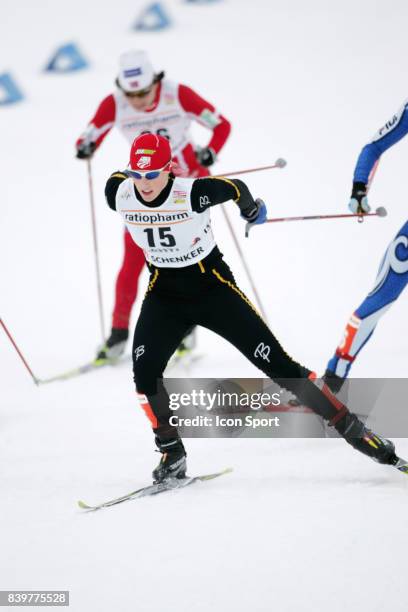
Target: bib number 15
[{"x": 164, "y": 238}]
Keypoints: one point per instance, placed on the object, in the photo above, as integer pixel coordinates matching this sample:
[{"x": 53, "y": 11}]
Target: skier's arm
[
  {"x": 208, "y": 192},
  {"x": 112, "y": 187},
  {"x": 395, "y": 129},
  {"x": 98, "y": 128},
  {"x": 206, "y": 115}
]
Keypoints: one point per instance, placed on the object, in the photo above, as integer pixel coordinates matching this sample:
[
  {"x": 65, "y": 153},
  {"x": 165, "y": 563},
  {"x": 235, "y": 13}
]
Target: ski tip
[
  {"x": 83, "y": 505},
  {"x": 214, "y": 475}
]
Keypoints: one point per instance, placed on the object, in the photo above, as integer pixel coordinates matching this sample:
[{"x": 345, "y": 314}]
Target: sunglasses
[
  {"x": 153, "y": 174},
  {"x": 142, "y": 93}
]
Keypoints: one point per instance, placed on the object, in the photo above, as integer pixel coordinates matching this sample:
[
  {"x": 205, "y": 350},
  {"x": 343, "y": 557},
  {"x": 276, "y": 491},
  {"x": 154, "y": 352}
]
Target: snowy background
[{"x": 300, "y": 524}]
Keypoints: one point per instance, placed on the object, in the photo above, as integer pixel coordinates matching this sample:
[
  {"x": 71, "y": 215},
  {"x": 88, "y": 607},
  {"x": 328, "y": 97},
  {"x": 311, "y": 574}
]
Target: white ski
[{"x": 167, "y": 485}]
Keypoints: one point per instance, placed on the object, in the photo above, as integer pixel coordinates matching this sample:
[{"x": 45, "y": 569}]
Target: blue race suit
[{"x": 393, "y": 273}]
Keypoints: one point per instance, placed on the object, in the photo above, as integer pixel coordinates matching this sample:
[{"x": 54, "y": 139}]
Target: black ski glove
[
  {"x": 85, "y": 150},
  {"x": 358, "y": 201},
  {"x": 206, "y": 157}
]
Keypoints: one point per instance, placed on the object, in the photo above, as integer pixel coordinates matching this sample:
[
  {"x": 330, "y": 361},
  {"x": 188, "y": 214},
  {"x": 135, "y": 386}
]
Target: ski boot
[
  {"x": 114, "y": 345},
  {"x": 173, "y": 462},
  {"x": 364, "y": 440}
]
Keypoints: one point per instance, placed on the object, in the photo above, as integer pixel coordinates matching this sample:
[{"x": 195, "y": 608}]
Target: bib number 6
[{"x": 165, "y": 237}]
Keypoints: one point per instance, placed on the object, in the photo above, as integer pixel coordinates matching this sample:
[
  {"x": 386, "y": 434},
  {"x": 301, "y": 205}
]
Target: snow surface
[{"x": 300, "y": 524}]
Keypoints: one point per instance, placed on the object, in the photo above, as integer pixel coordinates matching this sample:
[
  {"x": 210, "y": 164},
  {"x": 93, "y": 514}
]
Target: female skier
[{"x": 190, "y": 284}]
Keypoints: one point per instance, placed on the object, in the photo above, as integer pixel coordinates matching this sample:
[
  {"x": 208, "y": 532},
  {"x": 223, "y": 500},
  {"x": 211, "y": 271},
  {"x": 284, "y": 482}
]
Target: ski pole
[
  {"x": 372, "y": 175},
  {"x": 280, "y": 163},
  {"x": 245, "y": 266},
  {"x": 96, "y": 251},
  {"x": 35, "y": 379},
  {"x": 380, "y": 212}
]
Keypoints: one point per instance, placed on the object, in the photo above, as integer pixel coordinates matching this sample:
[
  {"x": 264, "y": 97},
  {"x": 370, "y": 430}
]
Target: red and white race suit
[{"x": 175, "y": 107}]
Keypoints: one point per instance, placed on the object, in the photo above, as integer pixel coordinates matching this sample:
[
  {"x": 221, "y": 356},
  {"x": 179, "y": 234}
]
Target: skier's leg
[
  {"x": 127, "y": 282},
  {"x": 230, "y": 314},
  {"x": 158, "y": 332},
  {"x": 391, "y": 280},
  {"x": 125, "y": 295}
]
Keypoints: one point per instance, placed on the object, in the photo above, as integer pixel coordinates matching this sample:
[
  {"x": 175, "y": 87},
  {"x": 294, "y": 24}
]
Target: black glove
[
  {"x": 206, "y": 157},
  {"x": 85, "y": 150},
  {"x": 256, "y": 213},
  {"x": 358, "y": 201}
]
